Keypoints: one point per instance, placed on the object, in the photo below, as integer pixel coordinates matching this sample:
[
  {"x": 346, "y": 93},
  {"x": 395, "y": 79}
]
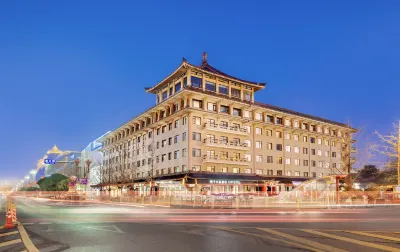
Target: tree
[
  {"x": 390, "y": 146},
  {"x": 50, "y": 183},
  {"x": 63, "y": 185}
]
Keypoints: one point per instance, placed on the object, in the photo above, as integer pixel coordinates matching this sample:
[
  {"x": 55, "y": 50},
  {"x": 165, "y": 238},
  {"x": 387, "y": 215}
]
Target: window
[
  {"x": 236, "y": 170},
  {"x": 304, "y": 126},
  {"x": 222, "y": 89},
  {"x": 296, "y": 149},
  {"x": 184, "y": 152},
  {"x": 319, "y": 152},
  {"x": 196, "y": 152},
  {"x": 184, "y": 120},
  {"x": 163, "y": 129},
  {"x": 196, "y": 167},
  {"x": 184, "y": 136},
  {"x": 196, "y": 120},
  {"x": 278, "y": 134},
  {"x": 279, "y": 172},
  {"x": 170, "y": 141},
  {"x": 247, "y": 95},
  {"x": 258, "y": 144},
  {"x": 224, "y": 140},
  {"x": 287, "y": 136},
  {"x": 176, "y": 124},
  {"x": 287, "y": 123},
  {"x": 333, "y": 154},
  {"x": 279, "y": 120},
  {"x": 326, "y": 153},
  {"x": 235, "y": 92},
  {"x": 176, "y": 139},
  {"x": 312, "y": 139},
  {"x": 196, "y": 136},
  {"x": 224, "y": 169},
  {"x": 211, "y": 106},
  {"x": 247, "y": 142},
  {"x": 259, "y": 158},
  {"x": 158, "y": 131},
  {"x": 297, "y": 173},
  {"x": 296, "y": 161},
  {"x": 224, "y": 109},
  {"x": 333, "y": 143},
  {"x": 305, "y": 162},
  {"x": 177, "y": 87},
  {"x": 211, "y": 168},
  {"x": 269, "y": 119},
  {"x": 268, "y": 132},
  {"x": 287, "y": 148},
  {"x": 296, "y": 124},
  {"x": 247, "y": 157},
  {"x": 319, "y": 141},
  {"x": 165, "y": 95},
  {"x": 210, "y": 86},
  {"x": 197, "y": 103},
  {"x": 223, "y": 155},
  {"x": 305, "y": 139},
  {"x": 163, "y": 142},
  {"x": 313, "y": 163},
  {"x": 196, "y": 82},
  {"x": 248, "y": 128},
  {"x": 279, "y": 147},
  {"x": 313, "y": 174},
  {"x": 169, "y": 155},
  {"x": 326, "y": 142},
  {"x": 176, "y": 154},
  {"x": 270, "y": 159},
  {"x": 287, "y": 161},
  {"x": 288, "y": 173},
  {"x": 258, "y": 131},
  {"x": 259, "y": 116},
  {"x": 312, "y": 151},
  {"x": 296, "y": 137},
  {"x": 246, "y": 114},
  {"x": 269, "y": 146},
  {"x": 259, "y": 171},
  {"x": 237, "y": 112},
  {"x": 158, "y": 145}
]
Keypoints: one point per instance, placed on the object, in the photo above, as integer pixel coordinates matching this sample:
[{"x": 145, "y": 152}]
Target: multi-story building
[{"x": 206, "y": 132}]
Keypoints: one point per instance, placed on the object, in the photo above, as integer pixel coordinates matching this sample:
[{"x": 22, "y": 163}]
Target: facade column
[{"x": 241, "y": 92}]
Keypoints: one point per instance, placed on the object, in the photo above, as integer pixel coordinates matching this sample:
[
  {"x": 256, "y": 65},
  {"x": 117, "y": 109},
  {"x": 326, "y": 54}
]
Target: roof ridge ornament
[{"x": 204, "y": 61}]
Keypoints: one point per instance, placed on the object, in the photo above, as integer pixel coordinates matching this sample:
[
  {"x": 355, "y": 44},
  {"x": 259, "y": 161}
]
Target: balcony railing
[
  {"x": 224, "y": 128},
  {"x": 225, "y": 144},
  {"x": 225, "y": 160}
]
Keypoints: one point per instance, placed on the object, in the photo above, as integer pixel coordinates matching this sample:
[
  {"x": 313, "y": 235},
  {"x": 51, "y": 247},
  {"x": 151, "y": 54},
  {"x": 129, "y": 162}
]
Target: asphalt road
[{"x": 60, "y": 226}]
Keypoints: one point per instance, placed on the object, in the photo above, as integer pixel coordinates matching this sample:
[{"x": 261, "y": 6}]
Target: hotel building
[{"x": 206, "y": 132}]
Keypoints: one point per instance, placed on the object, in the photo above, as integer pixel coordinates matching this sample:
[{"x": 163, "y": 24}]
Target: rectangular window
[
  {"x": 279, "y": 172},
  {"x": 312, "y": 139},
  {"x": 305, "y": 174},
  {"x": 312, "y": 151},
  {"x": 223, "y": 89},
  {"x": 165, "y": 95},
  {"x": 296, "y": 124},
  {"x": 184, "y": 120},
  {"x": 287, "y": 161},
  {"x": 296, "y": 137},
  {"x": 235, "y": 92},
  {"x": 237, "y": 112},
  {"x": 279, "y": 160},
  {"x": 296, "y": 149},
  {"x": 270, "y": 159},
  {"x": 247, "y": 95},
  {"x": 196, "y": 136},
  {"x": 320, "y": 164},
  {"x": 319, "y": 141},
  {"x": 278, "y": 134},
  {"x": 183, "y": 152},
  {"x": 305, "y": 150},
  {"x": 287, "y": 148},
  {"x": 269, "y": 146},
  {"x": 210, "y": 86},
  {"x": 279, "y": 121},
  {"x": 224, "y": 169},
  {"x": 236, "y": 170},
  {"x": 314, "y": 174},
  {"x": 196, "y": 152},
  {"x": 259, "y": 171},
  {"x": 333, "y": 154},
  {"x": 287, "y": 136},
  {"x": 258, "y": 144},
  {"x": 196, "y": 120},
  {"x": 196, "y": 82},
  {"x": 247, "y": 157},
  {"x": 170, "y": 141},
  {"x": 287, "y": 123},
  {"x": 279, "y": 147},
  {"x": 296, "y": 161},
  {"x": 269, "y": 119},
  {"x": 305, "y": 139},
  {"x": 197, "y": 103},
  {"x": 259, "y": 158},
  {"x": 319, "y": 152},
  {"x": 268, "y": 132},
  {"x": 333, "y": 143},
  {"x": 176, "y": 154},
  {"x": 258, "y": 131},
  {"x": 176, "y": 139},
  {"x": 305, "y": 162},
  {"x": 211, "y": 168},
  {"x": 178, "y": 87},
  {"x": 313, "y": 163},
  {"x": 184, "y": 136},
  {"x": 211, "y": 106},
  {"x": 169, "y": 155},
  {"x": 259, "y": 116},
  {"x": 224, "y": 109},
  {"x": 176, "y": 124},
  {"x": 196, "y": 167},
  {"x": 297, "y": 173}
]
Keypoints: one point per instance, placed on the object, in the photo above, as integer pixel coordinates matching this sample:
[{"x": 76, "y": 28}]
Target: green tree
[
  {"x": 63, "y": 185},
  {"x": 50, "y": 183}
]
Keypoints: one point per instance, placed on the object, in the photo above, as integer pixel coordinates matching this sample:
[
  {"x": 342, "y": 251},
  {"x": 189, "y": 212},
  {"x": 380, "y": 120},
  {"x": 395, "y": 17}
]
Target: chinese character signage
[
  {"x": 49, "y": 161},
  {"x": 214, "y": 181}
]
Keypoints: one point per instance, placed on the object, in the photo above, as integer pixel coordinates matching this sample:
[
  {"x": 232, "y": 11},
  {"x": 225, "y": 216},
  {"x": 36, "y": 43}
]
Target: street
[{"x": 62, "y": 226}]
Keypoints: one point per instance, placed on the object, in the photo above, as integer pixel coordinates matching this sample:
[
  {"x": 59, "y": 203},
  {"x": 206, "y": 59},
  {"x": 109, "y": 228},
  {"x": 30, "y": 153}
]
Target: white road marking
[
  {"x": 102, "y": 228},
  {"x": 27, "y": 223},
  {"x": 9, "y": 233},
  {"x": 45, "y": 223},
  {"x": 3, "y": 244}
]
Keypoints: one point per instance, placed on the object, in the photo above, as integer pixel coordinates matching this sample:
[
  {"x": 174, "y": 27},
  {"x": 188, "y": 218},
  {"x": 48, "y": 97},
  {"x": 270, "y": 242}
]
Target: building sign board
[
  {"x": 219, "y": 181},
  {"x": 50, "y": 161}
]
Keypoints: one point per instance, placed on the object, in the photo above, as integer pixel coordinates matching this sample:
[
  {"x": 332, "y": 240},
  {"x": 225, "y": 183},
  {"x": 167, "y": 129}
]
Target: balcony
[
  {"x": 225, "y": 129},
  {"x": 225, "y": 160},
  {"x": 224, "y": 144}
]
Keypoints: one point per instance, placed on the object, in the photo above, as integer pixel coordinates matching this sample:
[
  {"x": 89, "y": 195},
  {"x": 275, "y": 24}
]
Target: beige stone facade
[{"x": 207, "y": 121}]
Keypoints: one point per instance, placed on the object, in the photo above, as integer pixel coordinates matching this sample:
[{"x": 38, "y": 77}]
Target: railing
[
  {"x": 225, "y": 127},
  {"x": 224, "y": 158},
  {"x": 225, "y": 143}
]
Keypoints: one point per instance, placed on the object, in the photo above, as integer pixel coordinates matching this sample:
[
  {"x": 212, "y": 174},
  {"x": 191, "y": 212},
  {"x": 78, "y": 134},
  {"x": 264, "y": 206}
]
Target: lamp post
[
  {"x": 88, "y": 162},
  {"x": 77, "y": 161}
]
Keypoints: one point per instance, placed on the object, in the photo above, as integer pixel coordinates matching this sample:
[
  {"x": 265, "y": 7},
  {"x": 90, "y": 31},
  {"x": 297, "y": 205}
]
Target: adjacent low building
[{"x": 207, "y": 133}]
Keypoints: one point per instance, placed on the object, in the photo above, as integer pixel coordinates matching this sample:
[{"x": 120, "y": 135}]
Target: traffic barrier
[
  {"x": 14, "y": 213},
  {"x": 9, "y": 221}
]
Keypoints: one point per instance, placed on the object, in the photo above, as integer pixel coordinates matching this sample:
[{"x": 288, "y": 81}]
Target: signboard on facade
[
  {"x": 49, "y": 161},
  {"x": 83, "y": 181},
  {"x": 219, "y": 181}
]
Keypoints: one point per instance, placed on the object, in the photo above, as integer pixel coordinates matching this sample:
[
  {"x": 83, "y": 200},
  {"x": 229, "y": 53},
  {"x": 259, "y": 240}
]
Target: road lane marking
[
  {"x": 27, "y": 224},
  {"x": 103, "y": 228},
  {"x": 9, "y": 233},
  {"x": 45, "y": 223},
  {"x": 375, "y": 235},
  {"x": 3, "y": 244},
  {"x": 270, "y": 238},
  {"x": 367, "y": 244},
  {"x": 302, "y": 240},
  {"x": 27, "y": 241}
]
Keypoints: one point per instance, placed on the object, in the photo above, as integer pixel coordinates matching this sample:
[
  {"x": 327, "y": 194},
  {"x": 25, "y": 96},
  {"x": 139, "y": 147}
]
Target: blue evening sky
[{"x": 72, "y": 70}]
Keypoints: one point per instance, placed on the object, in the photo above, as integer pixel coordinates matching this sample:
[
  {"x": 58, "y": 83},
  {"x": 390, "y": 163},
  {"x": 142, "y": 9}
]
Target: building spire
[{"x": 204, "y": 61}]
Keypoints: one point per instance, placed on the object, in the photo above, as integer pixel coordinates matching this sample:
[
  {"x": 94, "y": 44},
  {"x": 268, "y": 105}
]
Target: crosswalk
[{"x": 324, "y": 240}]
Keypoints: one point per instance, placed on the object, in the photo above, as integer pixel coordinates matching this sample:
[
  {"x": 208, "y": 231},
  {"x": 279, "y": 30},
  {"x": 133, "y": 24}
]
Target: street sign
[{"x": 49, "y": 161}]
